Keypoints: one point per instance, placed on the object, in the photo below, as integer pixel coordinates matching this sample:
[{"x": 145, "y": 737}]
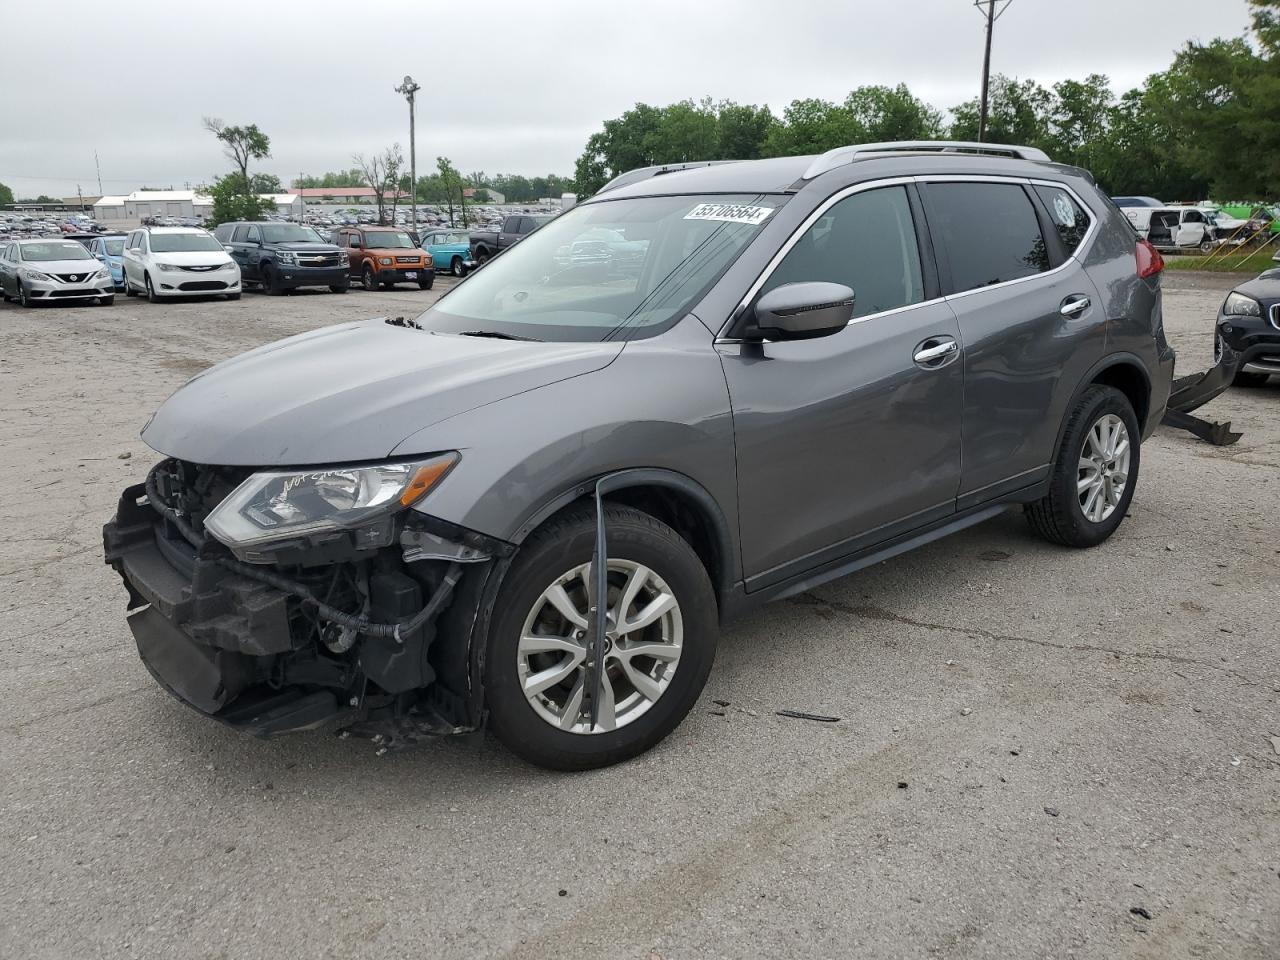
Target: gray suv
[{"x": 532, "y": 507}]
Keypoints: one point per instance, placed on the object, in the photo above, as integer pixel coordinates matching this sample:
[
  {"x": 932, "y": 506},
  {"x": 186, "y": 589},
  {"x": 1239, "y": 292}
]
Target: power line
[{"x": 990, "y": 15}]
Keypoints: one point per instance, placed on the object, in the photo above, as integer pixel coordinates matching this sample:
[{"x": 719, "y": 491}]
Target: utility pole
[
  {"x": 81, "y": 196},
  {"x": 97, "y": 166},
  {"x": 990, "y": 14},
  {"x": 408, "y": 88},
  {"x": 302, "y": 199}
]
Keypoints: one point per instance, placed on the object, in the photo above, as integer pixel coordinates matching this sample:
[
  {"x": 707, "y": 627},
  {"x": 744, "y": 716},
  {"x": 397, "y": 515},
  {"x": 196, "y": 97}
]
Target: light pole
[
  {"x": 991, "y": 15},
  {"x": 409, "y": 88}
]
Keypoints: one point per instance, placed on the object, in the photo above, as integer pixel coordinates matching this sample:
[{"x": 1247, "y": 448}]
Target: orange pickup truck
[{"x": 386, "y": 256}]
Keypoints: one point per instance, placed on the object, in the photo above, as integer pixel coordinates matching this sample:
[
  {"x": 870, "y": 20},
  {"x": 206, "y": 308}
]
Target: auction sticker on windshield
[{"x": 729, "y": 213}]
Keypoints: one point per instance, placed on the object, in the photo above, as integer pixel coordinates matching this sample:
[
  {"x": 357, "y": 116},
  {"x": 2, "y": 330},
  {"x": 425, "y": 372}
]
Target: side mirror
[
  {"x": 229, "y": 248},
  {"x": 802, "y": 311}
]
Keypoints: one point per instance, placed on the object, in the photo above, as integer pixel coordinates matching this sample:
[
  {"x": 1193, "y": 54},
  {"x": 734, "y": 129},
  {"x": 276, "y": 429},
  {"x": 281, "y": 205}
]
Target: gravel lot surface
[{"x": 1035, "y": 743}]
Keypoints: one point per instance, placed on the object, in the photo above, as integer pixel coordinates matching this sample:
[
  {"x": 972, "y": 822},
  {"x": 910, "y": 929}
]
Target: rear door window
[
  {"x": 990, "y": 232},
  {"x": 241, "y": 234},
  {"x": 1069, "y": 218},
  {"x": 866, "y": 242}
]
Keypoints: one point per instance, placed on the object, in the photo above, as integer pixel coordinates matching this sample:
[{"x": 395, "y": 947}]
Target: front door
[{"x": 848, "y": 440}]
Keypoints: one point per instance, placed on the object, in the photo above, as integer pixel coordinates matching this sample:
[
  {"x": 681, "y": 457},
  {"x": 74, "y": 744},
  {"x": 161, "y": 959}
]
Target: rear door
[
  {"x": 848, "y": 440},
  {"x": 1030, "y": 319}
]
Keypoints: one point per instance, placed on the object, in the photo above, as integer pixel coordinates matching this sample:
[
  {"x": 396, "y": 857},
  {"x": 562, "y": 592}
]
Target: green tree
[
  {"x": 1018, "y": 112},
  {"x": 266, "y": 183},
  {"x": 233, "y": 199},
  {"x": 453, "y": 185},
  {"x": 6, "y": 195}
]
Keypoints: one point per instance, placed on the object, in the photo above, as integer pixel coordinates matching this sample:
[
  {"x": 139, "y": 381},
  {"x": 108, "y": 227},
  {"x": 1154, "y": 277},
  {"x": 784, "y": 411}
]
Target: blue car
[
  {"x": 450, "y": 250},
  {"x": 109, "y": 248}
]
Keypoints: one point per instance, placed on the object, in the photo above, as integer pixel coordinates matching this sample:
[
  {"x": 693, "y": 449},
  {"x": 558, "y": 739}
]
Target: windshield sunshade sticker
[{"x": 730, "y": 213}]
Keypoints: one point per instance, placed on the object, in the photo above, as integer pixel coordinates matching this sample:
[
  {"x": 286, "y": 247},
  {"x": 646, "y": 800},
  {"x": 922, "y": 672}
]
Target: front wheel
[
  {"x": 427, "y": 282},
  {"x": 369, "y": 279},
  {"x": 659, "y": 645},
  {"x": 1095, "y": 473},
  {"x": 106, "y": 301},
  {"x": 24, "y": 297},
  {"x": 271, "y": 282},
  {"x": 152, "y": 296},
  {"x": 339, "y": 287}
]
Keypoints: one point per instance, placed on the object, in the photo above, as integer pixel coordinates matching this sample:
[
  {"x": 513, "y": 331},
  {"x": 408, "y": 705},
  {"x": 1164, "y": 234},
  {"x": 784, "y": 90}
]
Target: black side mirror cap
[{"x": 802, "y": 311}]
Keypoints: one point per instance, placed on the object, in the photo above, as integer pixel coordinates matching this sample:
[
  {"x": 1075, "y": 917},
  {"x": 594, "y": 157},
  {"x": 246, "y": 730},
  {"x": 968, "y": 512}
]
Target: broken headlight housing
[{"x": 273, "y": 506}]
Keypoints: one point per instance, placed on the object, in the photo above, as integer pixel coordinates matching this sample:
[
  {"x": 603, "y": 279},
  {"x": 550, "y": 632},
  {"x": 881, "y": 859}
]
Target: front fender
[{"x": 662, "y": 405}]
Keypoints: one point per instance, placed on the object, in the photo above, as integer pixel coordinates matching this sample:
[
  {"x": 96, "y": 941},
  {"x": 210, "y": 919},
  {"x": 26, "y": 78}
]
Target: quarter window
[
  {"x": 1067, "y": 215},
  {"x": 866, "y": 242},
  {"x": 991, "y": 233}
]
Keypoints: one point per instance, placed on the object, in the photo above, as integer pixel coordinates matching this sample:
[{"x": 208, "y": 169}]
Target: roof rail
[
  {"x": 842, "y": 155},
  {"x": 645, "y": 173}
]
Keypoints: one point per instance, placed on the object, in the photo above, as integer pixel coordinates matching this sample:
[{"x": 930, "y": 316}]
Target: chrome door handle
[
  {"x": 933, "y": 350},
  {"x": 1074, "y": 306}
]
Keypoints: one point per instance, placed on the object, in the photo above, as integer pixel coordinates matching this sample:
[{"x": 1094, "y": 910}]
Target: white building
[{"x": 134, "y": 208}]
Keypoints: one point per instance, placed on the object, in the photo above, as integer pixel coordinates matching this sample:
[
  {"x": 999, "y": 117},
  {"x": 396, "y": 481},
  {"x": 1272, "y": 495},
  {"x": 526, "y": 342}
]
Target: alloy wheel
[
  {"x": 643, "y": 643},
  {"x": 1103, "y": 468}
]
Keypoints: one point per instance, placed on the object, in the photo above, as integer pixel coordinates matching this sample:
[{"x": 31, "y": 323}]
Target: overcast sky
[{"x": 508, "y": 87}]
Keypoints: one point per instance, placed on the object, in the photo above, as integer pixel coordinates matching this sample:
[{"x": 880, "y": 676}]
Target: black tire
[
  {"x": 271, "y": 282},
  {"x": 564, "y": 543},
  {"x": 128, "y": 287},
  {"x": 369, "y": 278},
  {"x": 458, "y": 268},
  {"x": 339, "y": 287},
  {"x": 24, "y": 298},
  {"x": 1250, "y": 379},
  {"x": 1058, "y": 516},
  {"x": 152, "y": 296},
  {"x": 427, "y": 282},
  {"x": 106, "y": 301},
  {"x": 482, "y": 257},
  {"x": 233, "y": 296}
]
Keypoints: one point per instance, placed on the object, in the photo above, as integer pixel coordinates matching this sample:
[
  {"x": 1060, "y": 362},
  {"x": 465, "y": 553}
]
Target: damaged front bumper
[
  {"x": 378, "y": 641},
  {"x": 1194, "y": 391}
]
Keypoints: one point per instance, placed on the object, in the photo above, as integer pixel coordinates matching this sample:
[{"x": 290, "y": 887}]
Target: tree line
[{"x": 1205, "y": 126}]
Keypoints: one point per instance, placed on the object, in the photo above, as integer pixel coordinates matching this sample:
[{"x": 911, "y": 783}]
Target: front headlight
[
  {"x": 1238, "y": 305},
  {"x": 229, "y": 265},
  {"x": 343, "y": 258},
  {"x": 285, "y": 256},
  {"x": 385, "y": 261},
  {"x": 168, "y": 266},
  {"x": 36, "y": 275},
  {"x": 272, "y": 506},
  {"x": 101, "y": 274}
]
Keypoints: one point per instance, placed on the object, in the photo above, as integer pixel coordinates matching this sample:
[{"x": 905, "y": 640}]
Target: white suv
[{"x": 178, "y": 262}]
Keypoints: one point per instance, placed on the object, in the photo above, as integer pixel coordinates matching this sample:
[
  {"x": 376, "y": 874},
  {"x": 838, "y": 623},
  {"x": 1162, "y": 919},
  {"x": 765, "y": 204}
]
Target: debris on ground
[
  {"x": 1275, "y": 744},
  {"x": 717, "y": 713},
  {"x": 1142, "y": 912},
  {"x": 965, "y": 711},
  {"x": 1052, "y": 811},
  {"x": 994, "y": 555},
  {"x": 721, "y": 703},
  {"x": 799, "y": 715},
  {"x": 902, "y": 784},
  {"x": 124, "y": 456}
]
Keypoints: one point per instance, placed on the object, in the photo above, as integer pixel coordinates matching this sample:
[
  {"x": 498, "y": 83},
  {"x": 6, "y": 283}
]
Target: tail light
[{"x": 1150, "y": 262}]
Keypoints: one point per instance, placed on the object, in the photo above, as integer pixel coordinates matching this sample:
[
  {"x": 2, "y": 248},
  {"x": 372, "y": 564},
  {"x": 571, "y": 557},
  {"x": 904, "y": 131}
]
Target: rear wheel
[
  {"x": 659, "y": 648},
  {"x": 482, "y": 257},
  {"x": 1095, "y": 473},
  {"x": 458, "y": 268},
  {"x": 368, "y": 278}
]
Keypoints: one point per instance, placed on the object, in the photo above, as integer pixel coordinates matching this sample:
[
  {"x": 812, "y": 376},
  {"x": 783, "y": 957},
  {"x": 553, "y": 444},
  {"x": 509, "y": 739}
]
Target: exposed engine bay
[{"x": 368, "y": 631}]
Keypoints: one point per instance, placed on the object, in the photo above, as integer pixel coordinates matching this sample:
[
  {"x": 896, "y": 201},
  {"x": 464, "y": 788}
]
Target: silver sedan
[{"x": 52, "y": 269}]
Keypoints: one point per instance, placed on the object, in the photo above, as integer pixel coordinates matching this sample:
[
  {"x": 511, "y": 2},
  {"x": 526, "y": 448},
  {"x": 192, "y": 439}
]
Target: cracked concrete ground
[{"x": 1080, "y": 734}]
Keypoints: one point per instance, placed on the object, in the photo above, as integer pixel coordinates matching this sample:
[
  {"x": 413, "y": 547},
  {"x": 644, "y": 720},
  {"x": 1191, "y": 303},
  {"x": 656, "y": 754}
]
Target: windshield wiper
[{"x": 495, "y": 335}]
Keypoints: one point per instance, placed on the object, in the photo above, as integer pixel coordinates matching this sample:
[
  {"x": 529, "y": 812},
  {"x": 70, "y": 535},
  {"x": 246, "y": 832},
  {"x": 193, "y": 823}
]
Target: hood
[
  {"x": 192, "y": 258},
  {"x": 1264, "y": 288},
  {"x": 86, "y": 267},
  {"x": 308, "y": 246},
  {"x": 351, "y": 392}
]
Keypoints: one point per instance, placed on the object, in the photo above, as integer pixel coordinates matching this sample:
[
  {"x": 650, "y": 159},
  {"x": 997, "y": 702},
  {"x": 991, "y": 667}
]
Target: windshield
[
  {"x": 55, "y": 250},
  {"x": 183, "y": 242},
  {"x": 115, "y": 248},
  {"x": 617, "y": 268},
  {"x": 389, "y": 238},
  {"x": 289, "y": 233}
]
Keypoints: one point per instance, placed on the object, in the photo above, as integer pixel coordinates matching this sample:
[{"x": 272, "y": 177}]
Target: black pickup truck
[{"x": 486, "y": 243}]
